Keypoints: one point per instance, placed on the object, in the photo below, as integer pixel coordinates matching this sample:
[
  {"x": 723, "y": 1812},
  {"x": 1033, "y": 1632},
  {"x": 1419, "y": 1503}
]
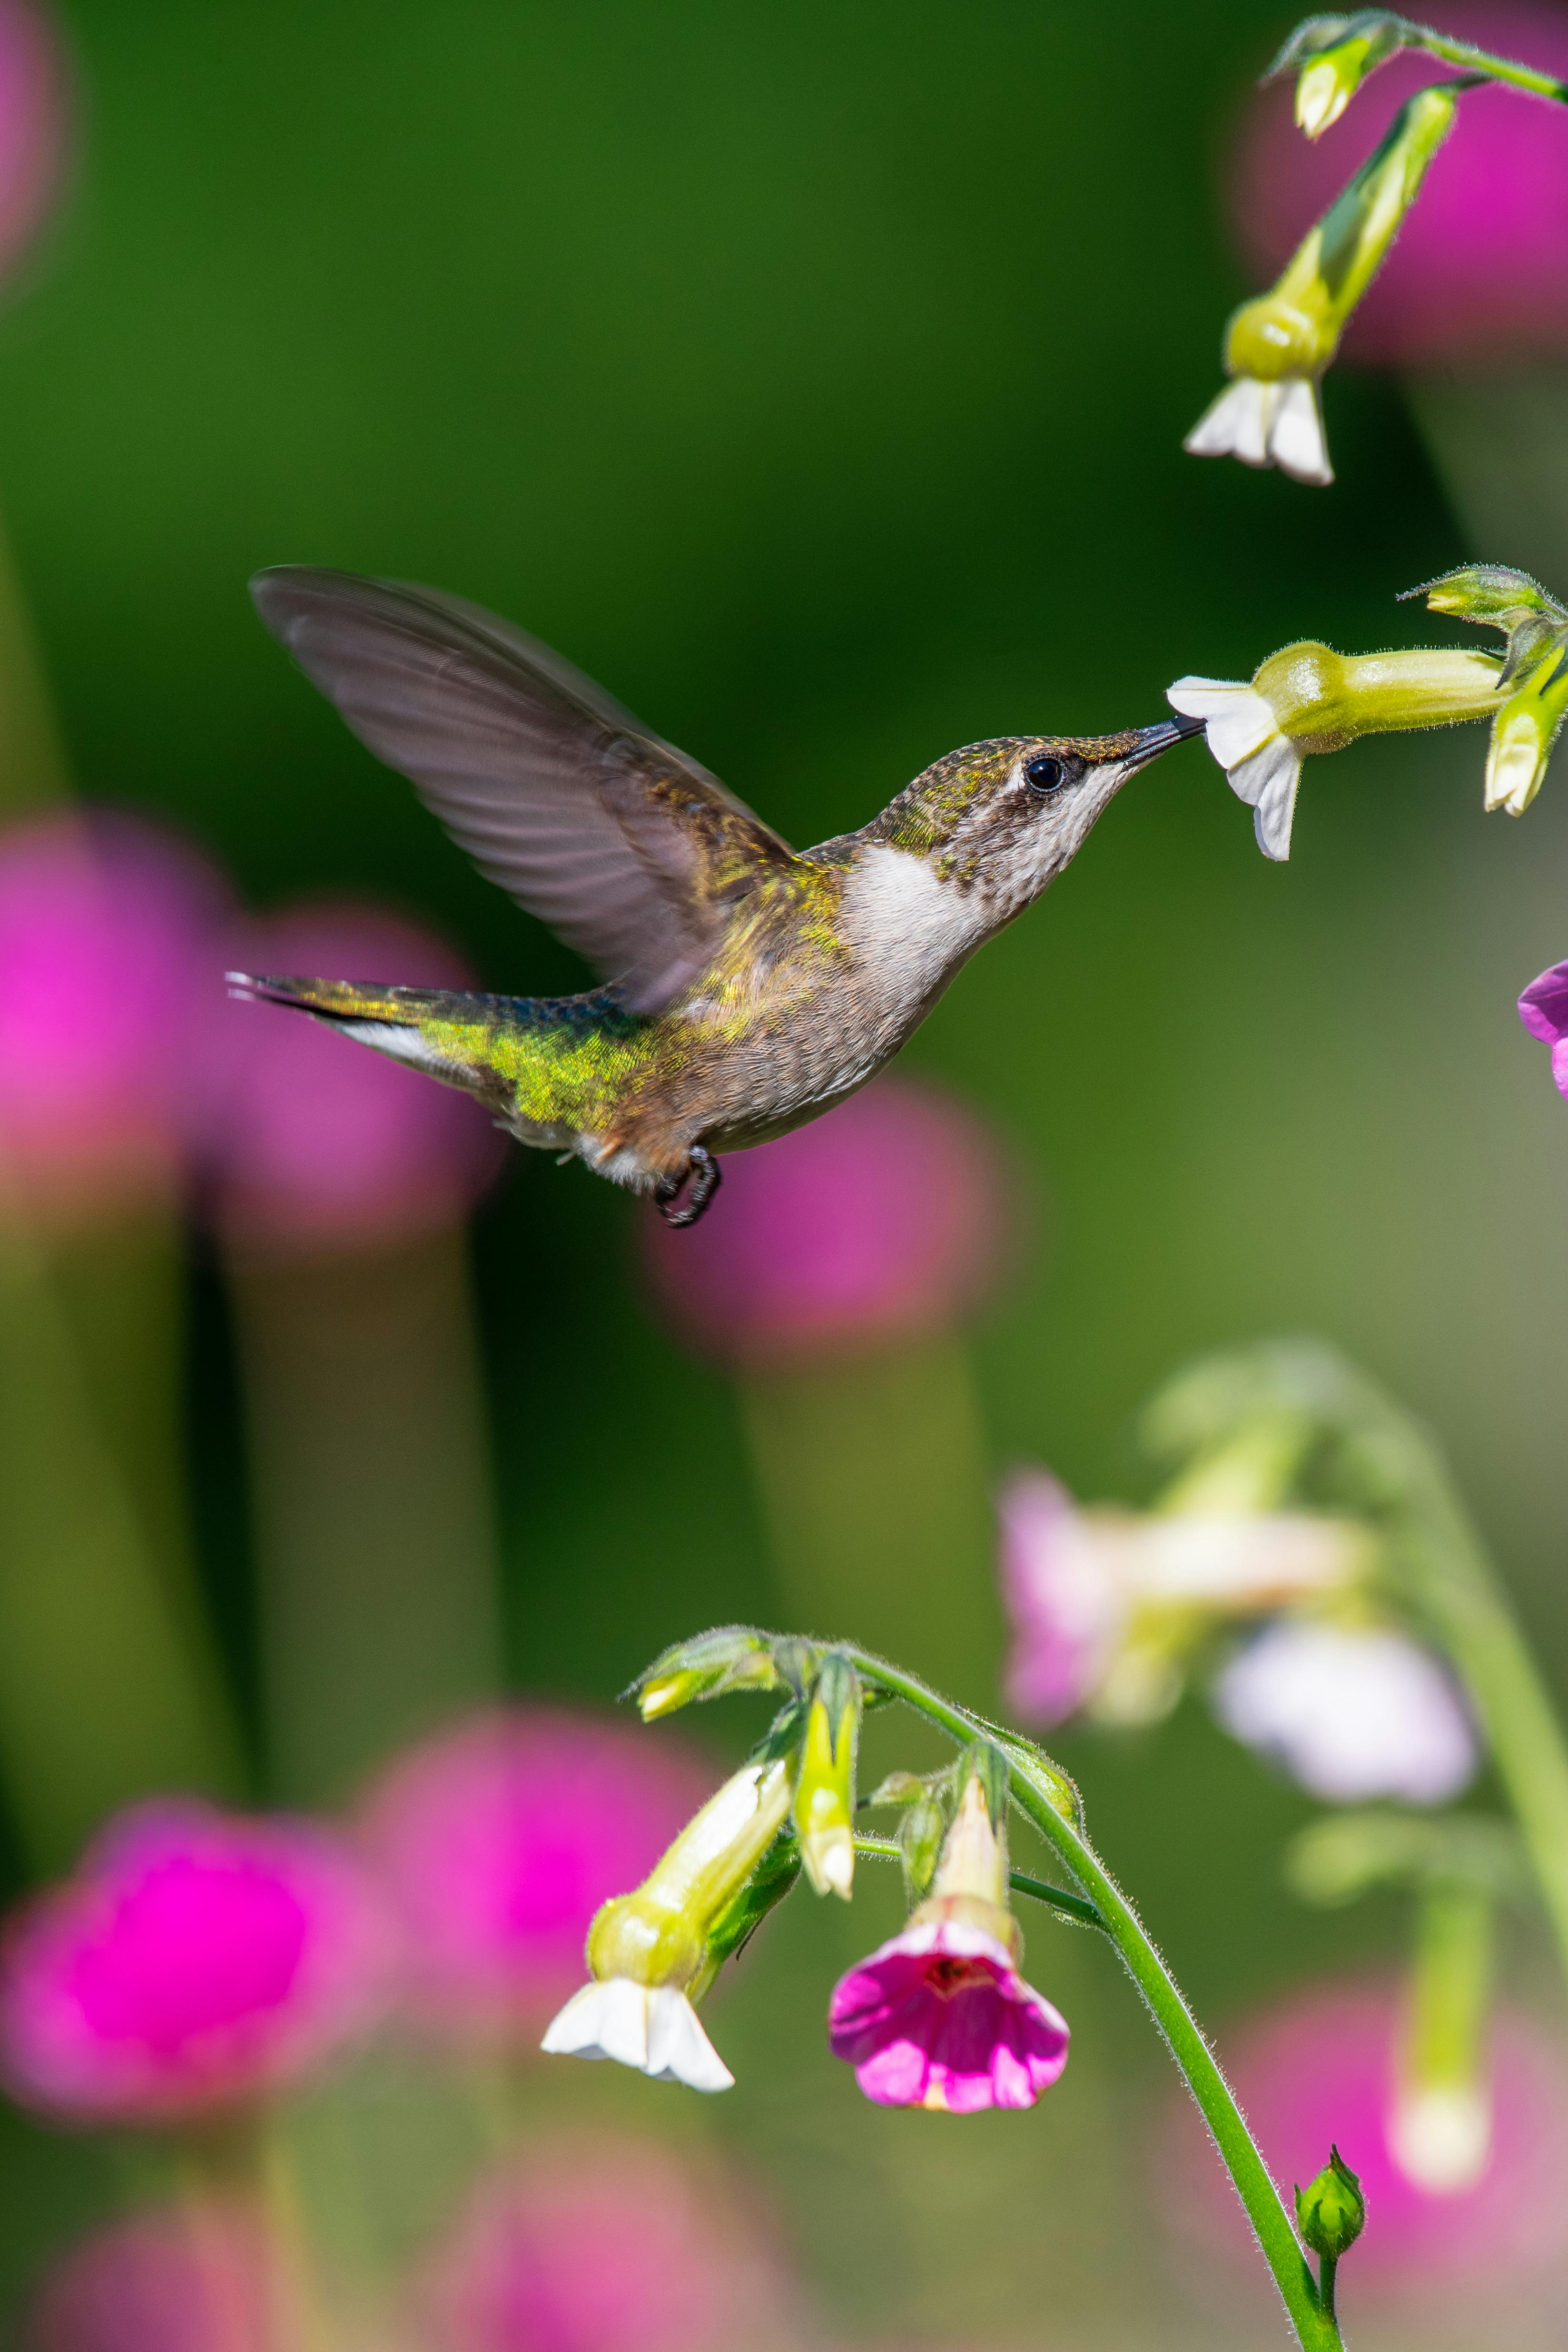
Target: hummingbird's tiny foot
[{"x": 705, "y": 1176}]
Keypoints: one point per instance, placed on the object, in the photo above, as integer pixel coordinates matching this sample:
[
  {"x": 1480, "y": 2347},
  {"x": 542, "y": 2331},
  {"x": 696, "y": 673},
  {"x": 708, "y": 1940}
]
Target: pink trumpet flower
[
  {"x": 313, "y": 1141},
  {"x": 1543, "y": 1009},
  {"x": 939, "y": 2017},
  {"x": 1481, "y": 257},
  {"x": 108, "y": 932},
  {"x": 498, "y": 1842},
  {"x": 1322, "y": 2069},
  {"x": 195, "y": 2279},
  {"x": 882, "y": 1221},
  {"x": 197, "y": 1959},
  {"x": 598, "y": 2245}
]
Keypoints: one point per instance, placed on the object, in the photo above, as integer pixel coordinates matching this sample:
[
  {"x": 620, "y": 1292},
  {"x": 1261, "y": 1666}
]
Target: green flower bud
[
  {"x": 971, "y": 1879},
  {"x": 732, "y": 1658},
  {"x": 1331, "y": 56},
  {"x": 922, "y": 1834},
  {"x": 1527, "y": 726},
  {"x": 1332, "y": 2210},
  {"x": 825, "y": 1779}
]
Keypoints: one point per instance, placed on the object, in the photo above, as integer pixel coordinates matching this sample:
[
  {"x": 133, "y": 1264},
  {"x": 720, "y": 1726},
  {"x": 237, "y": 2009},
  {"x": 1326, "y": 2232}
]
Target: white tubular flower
[
  {"x": 1441, "y": 2138},
  {"x": 653, "y": 2028},
  {"x": 648, "y": 1951},
  {"x": 1278, "y": 424},
  {"x": 1351, "y": 1713},
  {"x": 1307, "y": 698}
]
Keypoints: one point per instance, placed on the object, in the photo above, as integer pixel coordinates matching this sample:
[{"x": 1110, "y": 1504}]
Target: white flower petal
[
  {"x": 603, "y": 2021},
  {"x": 1237, "y": 721},
  {"x": 1238, "y": 424},
  {"x": 1247, "y": 1562},
  {"x": 1268, "y": 783},
  {"x": 1296, "y": 443},
  {"x": 677, "y": 2049},
  {"x": 1352, "y": 1713}
]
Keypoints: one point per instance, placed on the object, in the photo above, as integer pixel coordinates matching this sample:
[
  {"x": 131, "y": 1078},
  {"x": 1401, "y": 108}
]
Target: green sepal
[
  {"x": 985, "y": 1761},
  {"x": 781, "y": 1736},
  {"x": 773, "y": 1878},
  {"x": 921, "y": 1835},
  {"x": 1031, "y": 1764},
  {"x": 1316, "y": 36},
  {"x": 730, "y": 1658},
  {"x": 1494, "y": 596},
  {"x": 1331, "y": 2210}
]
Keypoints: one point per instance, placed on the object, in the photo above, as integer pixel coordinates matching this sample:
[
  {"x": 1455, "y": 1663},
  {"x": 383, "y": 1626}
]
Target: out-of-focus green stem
[
  {"x": 1464, "y": 53},
  {"x": 1314, "y": 2325}
]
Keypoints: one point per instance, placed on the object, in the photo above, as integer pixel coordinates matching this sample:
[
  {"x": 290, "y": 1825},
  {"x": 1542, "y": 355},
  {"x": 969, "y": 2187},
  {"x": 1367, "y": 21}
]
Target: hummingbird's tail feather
[{"x": 427, "y": 1027}]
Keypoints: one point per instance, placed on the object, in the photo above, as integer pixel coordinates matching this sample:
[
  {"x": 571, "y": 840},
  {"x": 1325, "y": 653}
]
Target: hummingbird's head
[{"x": 1001, "y": 820}]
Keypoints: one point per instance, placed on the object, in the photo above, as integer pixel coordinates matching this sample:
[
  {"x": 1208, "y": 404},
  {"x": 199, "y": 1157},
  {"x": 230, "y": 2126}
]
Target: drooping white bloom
[
  {"x": 1262, "y": 765},
  {"x": 1440, "y": 2137},
  {"x": 653, "y": 2028},
  {"x": 1352, "y": 1712},
  {"x": 1278, "y": 424}
]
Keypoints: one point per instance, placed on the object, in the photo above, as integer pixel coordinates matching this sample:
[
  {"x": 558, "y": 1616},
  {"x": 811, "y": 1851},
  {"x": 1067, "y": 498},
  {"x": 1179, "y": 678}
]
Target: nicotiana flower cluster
[{"x": 1306, "y": 699}]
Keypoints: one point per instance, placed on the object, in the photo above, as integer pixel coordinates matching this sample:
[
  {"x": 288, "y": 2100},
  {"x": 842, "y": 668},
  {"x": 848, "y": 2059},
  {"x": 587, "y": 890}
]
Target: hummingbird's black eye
[{"x": 1045, "y": 774}]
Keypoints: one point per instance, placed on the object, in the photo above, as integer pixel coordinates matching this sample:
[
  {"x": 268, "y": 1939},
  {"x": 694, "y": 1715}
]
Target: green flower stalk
[
  {"x": 1332, "y": 56},
  {"x": 1278, "y": 347}
]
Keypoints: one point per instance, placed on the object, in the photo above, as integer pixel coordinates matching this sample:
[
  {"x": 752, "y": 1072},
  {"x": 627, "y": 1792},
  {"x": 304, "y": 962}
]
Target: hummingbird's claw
[{"x": 705, "y": 1176}]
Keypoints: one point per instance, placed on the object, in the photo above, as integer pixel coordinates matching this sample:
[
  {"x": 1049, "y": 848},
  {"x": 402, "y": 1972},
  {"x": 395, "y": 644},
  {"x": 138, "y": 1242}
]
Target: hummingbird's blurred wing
[{"x": 632, "y": 854}]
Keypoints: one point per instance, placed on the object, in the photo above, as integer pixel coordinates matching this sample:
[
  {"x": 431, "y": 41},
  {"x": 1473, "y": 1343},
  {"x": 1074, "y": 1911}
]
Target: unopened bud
[
  {"x": 731, "y": 1658},
  {"x": 825, "y": 1780},
  {"x": 921, "y": 1834},
  {"x": 1332, "y": 2210},
  {"x": 1527, "y": 725},
  {"x": 1331, "y": 56}
]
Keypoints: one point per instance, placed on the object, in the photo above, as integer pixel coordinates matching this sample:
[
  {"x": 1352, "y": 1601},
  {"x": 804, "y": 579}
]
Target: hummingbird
[{"x": 745, "y": 987}]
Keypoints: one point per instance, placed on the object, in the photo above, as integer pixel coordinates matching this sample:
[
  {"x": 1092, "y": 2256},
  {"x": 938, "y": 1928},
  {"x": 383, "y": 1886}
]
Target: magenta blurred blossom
[
  {"x": 1543, "y": 1009},
  {"x": 200, "y": 2278},
  {"x": 939, "y": 2017},
  {"x": 1480, "y": 268},
  {"x": 885, "y": 1219},
  {"x": 108, "y": 949},
  {"x": 1065, "y": 1612},
  {"x": 498, "y": 1840},
  {"x": 34, "y": 115},
  {"x": 599, "y": 2245},
  {"x": 1321, "y": 2069},
  {"x": 313, "y": 1139},
  {"x": 196, "y": 1959}
]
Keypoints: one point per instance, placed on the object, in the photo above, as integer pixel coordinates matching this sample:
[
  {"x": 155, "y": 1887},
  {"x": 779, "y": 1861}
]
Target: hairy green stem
[
  {"x": 1310, "y": 2315},
  {"x": 1463, "y": 53}
]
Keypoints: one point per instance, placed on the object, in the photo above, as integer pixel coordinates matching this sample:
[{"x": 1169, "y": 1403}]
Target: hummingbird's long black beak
[{"x": 1149, "y": 741}]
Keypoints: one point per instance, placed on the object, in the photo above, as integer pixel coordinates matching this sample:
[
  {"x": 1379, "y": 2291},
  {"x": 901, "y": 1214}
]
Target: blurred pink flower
[
  {"x": 34, "y": 114},
  {"x": 1319, "y": 2069},
  {"x": 1543, "y": 1009},
  {"x": 315, "y": 1139},
  {"x": 939, "y": 2017},
  {"x": 108, "y": 934},
  {"x": 196, "y": 1958},
  {"x": 1065, "y": 1610},
  {"x": 1480, "y": 268},
  {"x": 193, "y": 2279},
  {"x": 598, "y": 2246},
  {"x": 882, "y": 1220},
  {"x": 498, "y": 1843}
]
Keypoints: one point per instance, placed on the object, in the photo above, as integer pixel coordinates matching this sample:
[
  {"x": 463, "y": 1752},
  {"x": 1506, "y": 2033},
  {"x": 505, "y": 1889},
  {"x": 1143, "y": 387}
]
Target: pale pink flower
[
  {"x": 1481, "y": 262},
  {"x": 1543, "y": 1009},
  {"x": 188, "y": 2279},
  {"x": 314, "y": 1141},
  {"x": 1322, "y": 2069},
  {"x": 1351, "y": 1712},
  {"x": 108, "y": 932},
  {"x": 939, "y": 2017},
  {"x": 598, "y": 2245},
  {"x": 498, "y": 1842},
  {"x": 885, "y": 1219},
  {"x": 196, "y": 1958}
]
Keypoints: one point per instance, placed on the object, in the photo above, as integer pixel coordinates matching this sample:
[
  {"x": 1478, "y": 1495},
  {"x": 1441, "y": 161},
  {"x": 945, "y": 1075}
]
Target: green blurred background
[{"x": 816, "y": 378}]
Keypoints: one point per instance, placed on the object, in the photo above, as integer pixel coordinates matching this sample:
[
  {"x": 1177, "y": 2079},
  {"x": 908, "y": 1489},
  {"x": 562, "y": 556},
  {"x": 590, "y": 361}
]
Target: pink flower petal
[{"x": 938, "y": 2016}]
